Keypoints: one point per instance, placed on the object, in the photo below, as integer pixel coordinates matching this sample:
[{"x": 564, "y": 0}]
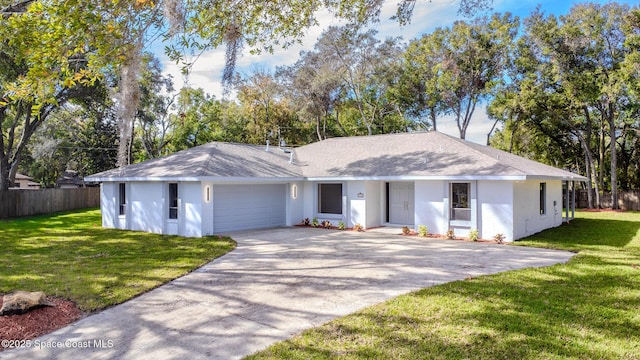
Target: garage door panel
[{"x": 241, "y": 207}]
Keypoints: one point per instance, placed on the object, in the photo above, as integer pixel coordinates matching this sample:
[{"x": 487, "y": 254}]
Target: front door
[{"x": 401, "y": 203}]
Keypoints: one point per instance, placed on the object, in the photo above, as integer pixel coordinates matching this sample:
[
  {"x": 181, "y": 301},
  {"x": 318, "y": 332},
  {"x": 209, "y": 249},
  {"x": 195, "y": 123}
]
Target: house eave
[
  {"x": 216, "y": 179},
  {"x": 563, "y": 178},
  {"x": 263, "y": 180},
  {"x": 420, "y": 177}
]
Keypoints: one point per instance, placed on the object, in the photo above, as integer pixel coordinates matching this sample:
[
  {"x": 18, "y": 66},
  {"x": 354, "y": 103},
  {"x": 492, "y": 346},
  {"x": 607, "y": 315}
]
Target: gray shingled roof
[
  {"x": 212, "y": 160},
  {"x": 418, "y": 155},
  {"x": 430, "y": 154}
]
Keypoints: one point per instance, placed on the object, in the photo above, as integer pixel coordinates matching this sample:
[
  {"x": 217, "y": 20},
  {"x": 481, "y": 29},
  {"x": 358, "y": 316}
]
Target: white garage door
[{"x": 241, "y": 207}]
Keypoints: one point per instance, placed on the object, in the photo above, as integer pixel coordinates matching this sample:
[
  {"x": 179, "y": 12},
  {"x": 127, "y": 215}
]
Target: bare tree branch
[{"x": 18, "y": 8}]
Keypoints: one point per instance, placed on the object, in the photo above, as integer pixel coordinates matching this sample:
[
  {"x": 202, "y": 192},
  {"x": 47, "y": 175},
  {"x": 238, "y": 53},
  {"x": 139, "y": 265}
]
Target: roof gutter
[{"x": 217, "y": 179}]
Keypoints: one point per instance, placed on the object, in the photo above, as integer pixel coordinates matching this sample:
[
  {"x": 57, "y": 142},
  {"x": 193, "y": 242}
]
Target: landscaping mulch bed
[
  {"x": 38, "y": 321},
  {"x": 444, "y": 237}
]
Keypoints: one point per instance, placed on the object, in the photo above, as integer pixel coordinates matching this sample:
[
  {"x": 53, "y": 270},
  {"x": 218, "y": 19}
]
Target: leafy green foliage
[
  {"x": 70, "y": 255},
  {"x": 569, "y": 103},
  {"x": 459, "y": 67},
  {"x": 53, "y": 48},
  {"x": 343, "y": 86},
  {"x": 423, "y": 231},
  {"x": 82, "y": 138}
]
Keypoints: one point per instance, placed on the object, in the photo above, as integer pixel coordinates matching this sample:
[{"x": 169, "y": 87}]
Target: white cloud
[
  {"x": 478, "y": 127},
  {"x": 426, "y": 18},
  {"x": 206, "y": 72}
]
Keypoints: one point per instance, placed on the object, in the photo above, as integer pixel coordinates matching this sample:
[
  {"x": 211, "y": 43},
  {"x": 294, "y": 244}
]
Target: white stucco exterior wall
[
  {"x": 190, "y": 212},
  {"x": 145, "y": 208},
  {"x": 108, "y": 205},
  {"x": 207, "y": 208},
  {"x": 495, "y": 213},
  {"x": 356, "y": 205},
  {"x": 374, "y": 206},
  {"x": 527, "y": 218},
  {"x": 295, "y": 203},
  {"x": 430, "y": 207},
  {"x": 309, "y": 204}
]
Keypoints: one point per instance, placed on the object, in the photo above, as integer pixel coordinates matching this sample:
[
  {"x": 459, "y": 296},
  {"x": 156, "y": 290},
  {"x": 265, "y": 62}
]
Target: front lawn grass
[
  {"x": 71, "y": 256},
  {"x": 588, "y": 308}
]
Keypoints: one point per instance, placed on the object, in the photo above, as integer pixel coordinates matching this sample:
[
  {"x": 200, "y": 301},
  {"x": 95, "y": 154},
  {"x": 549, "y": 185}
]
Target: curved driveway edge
[{"x": 275, "y": 284}]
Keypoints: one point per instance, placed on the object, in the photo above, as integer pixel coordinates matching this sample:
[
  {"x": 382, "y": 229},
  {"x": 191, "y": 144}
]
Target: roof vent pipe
[
  {"x": 291, "y": 157},
  {"x": 267, "y": 149}
]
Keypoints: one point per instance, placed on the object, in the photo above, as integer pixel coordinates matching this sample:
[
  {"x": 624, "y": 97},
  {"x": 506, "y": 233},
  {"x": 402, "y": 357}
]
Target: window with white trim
[
  {"x": 460, "y": 209},
  {"x": 543, "y": 198},
  {"x": 173, "y": 201},
  {"x": 122, "y": 198}
]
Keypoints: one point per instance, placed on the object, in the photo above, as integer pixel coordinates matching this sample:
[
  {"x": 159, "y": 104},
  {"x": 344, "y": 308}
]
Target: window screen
[
  {"x": 543, "y": 198},
  {"x": 122, "y": 198},
  {"x": 173, "y": 201},
  {"x": 330, "y": 199},
  {"x": 460, "y": 209}
]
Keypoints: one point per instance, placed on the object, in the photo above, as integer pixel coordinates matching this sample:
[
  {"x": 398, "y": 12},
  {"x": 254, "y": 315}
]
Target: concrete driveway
[{"x": 274, "y": 285}]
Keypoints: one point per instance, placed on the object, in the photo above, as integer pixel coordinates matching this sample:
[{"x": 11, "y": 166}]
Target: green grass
[
  {"x": 71, "y": 256},
  {"x": 588, "y": 308}
]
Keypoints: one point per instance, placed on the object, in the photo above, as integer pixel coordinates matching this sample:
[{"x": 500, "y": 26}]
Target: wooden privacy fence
[
  {"x": 17, "y": 203},
  {"x": 627, "y": 199}
]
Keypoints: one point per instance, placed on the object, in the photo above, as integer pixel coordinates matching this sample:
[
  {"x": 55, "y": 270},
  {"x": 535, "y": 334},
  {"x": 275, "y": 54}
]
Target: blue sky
[{"x": 427, "y": 16}]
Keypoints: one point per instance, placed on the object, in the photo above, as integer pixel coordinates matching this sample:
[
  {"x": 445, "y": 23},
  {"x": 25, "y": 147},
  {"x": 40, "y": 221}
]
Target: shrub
[
  {"x": 306, "y": 222},
  {"x": 473, "y": 235},
  {"x": 326, "y": 224},
  {"x": 499, "y": 238},
  {"x": 406, "y": 230},
  {"x": 358, "y": 227},
  {"x": 315, "y": 222},
  {"x": 341, "y": 225},
  {"x": 422, "y": 230},
  {"x": 451, "y": 234}
]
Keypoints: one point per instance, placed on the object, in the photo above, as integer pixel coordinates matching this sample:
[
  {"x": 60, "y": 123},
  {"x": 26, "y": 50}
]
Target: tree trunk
[
  {"x": 587, "y": 166},
  {"x": 4, "y": 164},
  {"x": 432, "y": 113},
  {"x": 590, "y": 164},
  {"x": 10, "y": 151},
  {"x": 614, "y": 157},
  {"x": 491, "y": 131},
  {"x": 130, "y": 150},
  {"x": 344, "y": 131},
  {"x": 587, "y": 161},
  {"x": 513, "y": 132},
  {"x": 601, "y": 151},
  {"x": 4, "y": 174},
  {"x": 318, "y": 128}
]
